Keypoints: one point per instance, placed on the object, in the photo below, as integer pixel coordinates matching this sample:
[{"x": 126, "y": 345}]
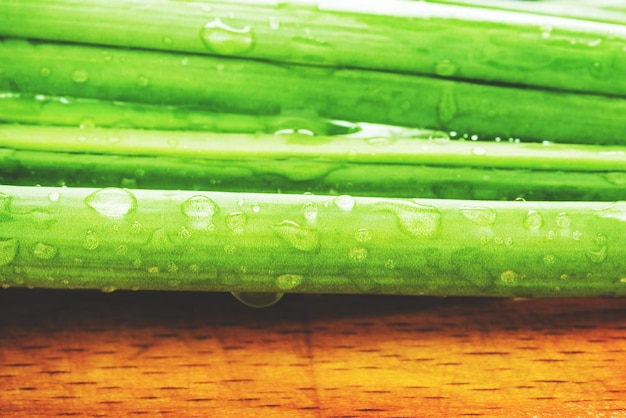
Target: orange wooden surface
[{"x": 81, "y": 353}]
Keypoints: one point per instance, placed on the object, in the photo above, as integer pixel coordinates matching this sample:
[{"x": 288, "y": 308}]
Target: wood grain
[{"x": 81, "y": 353}]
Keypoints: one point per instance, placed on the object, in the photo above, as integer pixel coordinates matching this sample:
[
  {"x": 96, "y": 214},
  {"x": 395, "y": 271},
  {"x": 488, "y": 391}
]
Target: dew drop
[
  {"x": 121, "y": 249},
  {"x": 112, "y": 202},
  {"x": 80, "y": 76},
  {"x": 309, "y": 211},
  {"x": 563, "y": 220},
  {"x": 509, "y": 276},
  {"x": 45, "y": 71},
  {"x": 136, "y": 228},
  {"x": 549, "y": 259},
  {"x": 86, "y": 123},
  {"x": 222, "y": 38},
  {"x": 577, "y": 235},
  {"x": 344, "y": 202},
  {"x": 167, "y": 40},
  {"x": 363, "y": 235},
  {"x": 258, "y": 300},
  {"x": 297, "y": 236},
  {"x": 184, "y": 233},
  {"x": 44, "y": 251},
  {"x": 91, "y": 241},
  {"x": 288, "y": 281},
  {"x": 236, "y": 222},
  {"x": 256, "y": 208},
  {"x": 480, "y": 215},
  {"x": 42, "y": 218},
  {"x": 390, "y": 264},
  {"x": 597, "y": 255},
  {"x": 8, "y": 251},
  {"x": 143, "y": 81},
  {"x": 479, "y": 151},
  {"x": 439, "y": 137},
  {"x": 357, "y": 254},
  {"x": 551, "y": 235},
  {"x": 533, "y": 220},
  {"x": 200, "y": 209},
  {"x": 419, "y": 220},
  {"x": 446, "y": 68},
  {"x": 54, "y": 197}
]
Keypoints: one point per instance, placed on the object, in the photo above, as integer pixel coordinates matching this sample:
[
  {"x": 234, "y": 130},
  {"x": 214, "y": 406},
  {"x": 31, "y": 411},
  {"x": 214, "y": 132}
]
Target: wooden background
[{"x": 85, "y": 353}]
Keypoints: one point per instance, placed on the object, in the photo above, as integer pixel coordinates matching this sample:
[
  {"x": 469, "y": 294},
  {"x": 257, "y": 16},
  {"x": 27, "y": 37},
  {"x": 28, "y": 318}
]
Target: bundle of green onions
[{"x": 267, "y": 147}]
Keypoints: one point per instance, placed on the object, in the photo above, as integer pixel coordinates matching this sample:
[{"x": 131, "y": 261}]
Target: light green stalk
[
  {"x": 261, "y": 88},
  {"x": 397, "y": 36},
  {"x": 437, "y": 150},
  {"x": 147, "y": 239},
  {"x": 29, "y": 168}
]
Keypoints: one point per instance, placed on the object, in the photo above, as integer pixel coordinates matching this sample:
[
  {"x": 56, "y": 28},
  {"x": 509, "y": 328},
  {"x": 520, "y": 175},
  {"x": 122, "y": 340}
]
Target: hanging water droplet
[
  {"x": 309, "y": 211},
  {"x": 344, "y": 202},
  {"x": 222, "y": 38},
  {"x": 480, "y": 215},
  {"x": 563, "y": 220},
  {"x": 54, "y": 197},
  {"x": 236, "y": 222},
  {"x": 8, "y": 251},
  {"x": 533, "y": 220},
  {"x": 108, "y": 289},
  {"x": 446, "y": 68},
  {"x": 357, "y": 254},
  {"x": 299, "y": 237},
  {"x": 363, "y": 235},
  {"x": 288, "y": 281},
  {"x": 80, "y": 76},
  {"x": 419, "y": 220},
  {"x": 91, "y": 241},
  {"x": 509, "y": 276},
  {"x": 44, "y": 251},
  {"x": 258, "y": 300},
  {"x": 112, "y": 202}
]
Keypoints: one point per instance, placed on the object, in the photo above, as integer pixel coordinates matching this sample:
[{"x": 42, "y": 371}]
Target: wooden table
[{"x": 85, "y": 353}]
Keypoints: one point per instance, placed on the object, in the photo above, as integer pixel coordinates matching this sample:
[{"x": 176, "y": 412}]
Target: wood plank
[{"x": 85, "y": 353}]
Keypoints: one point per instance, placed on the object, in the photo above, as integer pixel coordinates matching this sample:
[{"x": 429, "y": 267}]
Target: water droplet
[
  {"x": 224, "y": 39},
  {"x": 439, "y": 137},
  {"x": 498, "y": 239},
  {"x": 546, "y": 31},
  {"x": 597, "y": 255},
  {"x": 390, "y": 264},
  {"x": 288, "y": 281},
  {"x": 153, "y": 269},
  {"x": 143, "y": 81},
  {"x": 112, "y": 202},
  {"x": 508, "y": 241},
  {"x": 563, "y": 220},
  {"x": 344, "y": 202},
  {"x": 479, "y": 151},
  {"x": 363, "y": 235},
  {"x": 551, "y": 235},
  {"x": 91, "y": 241},
  {"x": 577, "y": 235},
  {"x": 447, "y": 106},
  {"x": 357, "y": 254},
  {"x": 108, "y": 289},
  {"x": 549, "y": 259},
  {"x": 45, "y": 71},
  {"x": 309, "y": 211},
  {"x": 258, "y": 300},
  {"x": 54, "y": 196},
  {"x": 533, "y": 220},
  {"x": 167, "y": 40},
  {"x": 42, "y": 218},
  {"x": 200, "y": 209},
  {"x": 299, "y": 237},
  {"x": 480, "y": 215},
  {"x": 80, "y": 76},
  {"x": 379, "y": 140},
  {"x": 8, "y": 251},
  {"x": 44, "y": 251},
  {"x": 184, "y": 233},
  {"x": 121, "y": 249},
  {"x": 509, "y": 276},
  {"x": 136, "y": 228},
  {"x": 446, "y": 68},
  {"x": 159, "y": 241},
  {"x": 616, "y": 210},
  {"x": 256, "y": 208},
  {"x": 273, "y": 22},
  {"x": 236, "y": 222},
  {"x": 419, "y": 220},
  {"x": 86, "y": 123}
]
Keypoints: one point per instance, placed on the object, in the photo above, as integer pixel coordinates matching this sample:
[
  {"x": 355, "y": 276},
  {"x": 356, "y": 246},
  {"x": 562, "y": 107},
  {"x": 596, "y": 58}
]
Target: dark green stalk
[{"x": 244, "y": 86}]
